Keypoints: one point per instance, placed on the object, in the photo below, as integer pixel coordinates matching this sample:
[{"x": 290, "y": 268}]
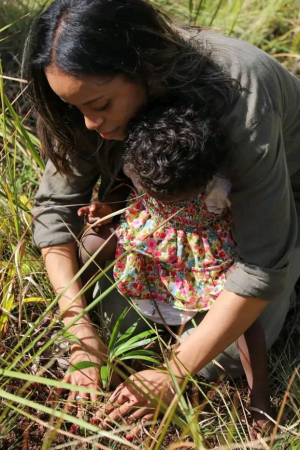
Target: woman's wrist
[
  {"x": 177, "y": 370},
  {"x": 88, "y": 341},
  {"x": 71, "y": 308},
  {"x": 84, "y": 331},
  {"x": 82, "y": 328}
]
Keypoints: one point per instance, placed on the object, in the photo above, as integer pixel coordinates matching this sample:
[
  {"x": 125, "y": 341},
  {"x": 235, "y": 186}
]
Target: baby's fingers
[
  {"x": 95, "y": 206},
  {"x": 83, "y": 211},
  {"x": 91, "y": 220}
]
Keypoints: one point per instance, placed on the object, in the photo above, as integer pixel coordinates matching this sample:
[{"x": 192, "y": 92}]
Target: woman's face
[{"x": 107, "y": 104}]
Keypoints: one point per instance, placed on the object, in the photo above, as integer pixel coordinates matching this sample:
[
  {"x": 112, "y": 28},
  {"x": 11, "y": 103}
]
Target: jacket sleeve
[
  {"x": 55, "y": 219},
  {"x": 263, "y": 212}
]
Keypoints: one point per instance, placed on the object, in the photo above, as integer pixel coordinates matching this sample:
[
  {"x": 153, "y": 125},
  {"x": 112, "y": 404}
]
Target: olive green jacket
[{"x": 265, "y": 125}]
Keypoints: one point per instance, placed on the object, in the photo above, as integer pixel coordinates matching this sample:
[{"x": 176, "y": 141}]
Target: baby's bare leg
[
  {"x": 114, "y": 303},
  {"x": 253, "y": 355},
  {"x": 90, "y": 244}
]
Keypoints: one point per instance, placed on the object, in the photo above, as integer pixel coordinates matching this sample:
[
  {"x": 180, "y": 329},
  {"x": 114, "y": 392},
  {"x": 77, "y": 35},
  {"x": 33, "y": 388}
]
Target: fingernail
[
  {"x": 95, "y": 420},
  {"x": 128, "y": 437},
  {"x": 74, "y": 429}
]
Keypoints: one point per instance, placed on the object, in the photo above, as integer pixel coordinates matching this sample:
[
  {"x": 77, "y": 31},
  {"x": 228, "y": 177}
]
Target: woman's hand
[
  {"x": 88, "y": 377},
  {"x": 92, "y": 350},
  {"x": 127, "y": 399},
  {"x": 96, "y": 210}
]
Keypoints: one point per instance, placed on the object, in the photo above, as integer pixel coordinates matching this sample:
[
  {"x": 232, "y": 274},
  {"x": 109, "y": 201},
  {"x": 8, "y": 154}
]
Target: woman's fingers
[
  {"x": 84, "y": 378},
  {"x": 59, "y": 391},
  {"x": 95, "y": 210},
  {"x": 72, "y": 394},
  {"x": 114, "y": 398},
  {"x": 80, "y": 400},
  {"x": 138, "y": 414},
  {"x": 95, "y": 397},
  {"x": 117, "y": 414},
  {"x": 71, "y": 402},
  {"x": 137, "y": 428},
  {"x": 103, "y": 412},
  {"x": 112, "y": 403}
]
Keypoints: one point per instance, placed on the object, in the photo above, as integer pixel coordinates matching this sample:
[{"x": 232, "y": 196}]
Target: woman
[{"x": 92, "y": 66}]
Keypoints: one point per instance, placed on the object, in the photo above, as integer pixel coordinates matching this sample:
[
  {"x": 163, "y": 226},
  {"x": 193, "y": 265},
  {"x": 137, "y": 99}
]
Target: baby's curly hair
[{"x": 174, "y": 149}]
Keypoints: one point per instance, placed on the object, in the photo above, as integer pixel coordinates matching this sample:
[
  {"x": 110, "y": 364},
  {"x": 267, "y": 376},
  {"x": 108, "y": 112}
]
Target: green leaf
[
  {"x": 24, "y": 135},
  {"x": 104, "y": 375},
  {"x": 116, "y": 330},
  {"x": 30, "y": 300},
  {"x": 125, "y": 348},
  {"x": 146, "y": 358},
  {"x": 142, "y": 353},
  {"x": 12, "y": 23},
  {"x": 82, "y": 365},
  {"x": 138, "y": 337},
  {"x": 69, "y": 336},
  {"x": 127, "y": 333}
]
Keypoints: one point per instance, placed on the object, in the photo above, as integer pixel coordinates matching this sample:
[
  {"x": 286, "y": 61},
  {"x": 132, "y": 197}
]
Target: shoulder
[{"x": 266, "y": 85}]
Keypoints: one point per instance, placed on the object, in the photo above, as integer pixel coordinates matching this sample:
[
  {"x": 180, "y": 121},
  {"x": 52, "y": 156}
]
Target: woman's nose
[{"x": 93, "y": 124}]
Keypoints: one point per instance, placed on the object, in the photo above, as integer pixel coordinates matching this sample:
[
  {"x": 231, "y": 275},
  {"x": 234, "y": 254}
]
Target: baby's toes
[{"x": 260, "y": 428}]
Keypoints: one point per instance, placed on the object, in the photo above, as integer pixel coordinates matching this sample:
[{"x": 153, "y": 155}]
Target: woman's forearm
[
  {"x": 229, "y": 317},
  {"x": 61, "y": 264}
]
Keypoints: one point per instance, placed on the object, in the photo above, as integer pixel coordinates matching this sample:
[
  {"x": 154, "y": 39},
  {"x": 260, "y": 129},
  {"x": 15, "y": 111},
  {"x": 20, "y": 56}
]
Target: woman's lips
[{"x": 105, "y": 134}]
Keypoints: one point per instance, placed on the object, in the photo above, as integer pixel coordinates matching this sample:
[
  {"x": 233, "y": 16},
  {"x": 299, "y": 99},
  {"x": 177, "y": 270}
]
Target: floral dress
[{"x": 178, "y": 253}]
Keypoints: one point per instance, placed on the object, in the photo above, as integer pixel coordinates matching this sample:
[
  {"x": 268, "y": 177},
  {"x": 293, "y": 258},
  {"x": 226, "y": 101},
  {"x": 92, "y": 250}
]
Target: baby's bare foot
[{"x": 261, "y": 425}]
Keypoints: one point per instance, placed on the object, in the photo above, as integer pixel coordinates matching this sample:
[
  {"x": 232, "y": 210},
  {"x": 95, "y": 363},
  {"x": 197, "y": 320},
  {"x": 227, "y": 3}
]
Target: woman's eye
[{"x": 102, "y": 108}]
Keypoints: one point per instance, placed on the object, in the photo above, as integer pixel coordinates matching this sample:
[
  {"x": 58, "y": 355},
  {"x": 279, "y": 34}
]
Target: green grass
[
  {"x": 29, "y": 315},
  {"x": 272, "y": 25}
]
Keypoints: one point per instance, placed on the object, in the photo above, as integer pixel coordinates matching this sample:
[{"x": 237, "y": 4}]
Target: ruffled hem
[{"x": 183, "y": 266}]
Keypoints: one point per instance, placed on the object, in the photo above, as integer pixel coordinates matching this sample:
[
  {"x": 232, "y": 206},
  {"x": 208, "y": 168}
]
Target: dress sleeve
[
  {"x": 263, "y": 211},
  {"x": 55, "y": 219}
]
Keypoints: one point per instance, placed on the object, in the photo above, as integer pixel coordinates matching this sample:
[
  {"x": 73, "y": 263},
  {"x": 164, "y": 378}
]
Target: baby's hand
[{"x": 95, "y": 211}]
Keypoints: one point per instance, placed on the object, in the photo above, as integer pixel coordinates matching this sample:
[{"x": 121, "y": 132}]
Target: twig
[
  {"x": 20, "y": 80},
  {"x": 292, "y": 55}
]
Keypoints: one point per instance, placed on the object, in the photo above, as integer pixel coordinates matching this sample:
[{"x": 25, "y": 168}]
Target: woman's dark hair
[
  {"x": 174, "y": 150},
  {"x": 109, "y": 37}
]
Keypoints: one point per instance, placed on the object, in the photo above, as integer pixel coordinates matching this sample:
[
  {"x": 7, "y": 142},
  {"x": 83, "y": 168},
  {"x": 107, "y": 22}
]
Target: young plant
[
  {"x": 127, "y": 346},
  {"x": 123, "y": 347}
]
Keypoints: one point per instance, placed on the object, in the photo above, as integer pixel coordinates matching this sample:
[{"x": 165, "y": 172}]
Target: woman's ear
[{"x": 154, "y": 86}]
